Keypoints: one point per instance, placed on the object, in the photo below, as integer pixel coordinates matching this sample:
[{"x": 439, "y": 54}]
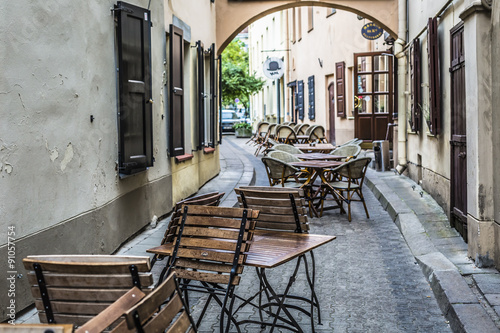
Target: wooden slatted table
[{"x": 270, "y": 249}]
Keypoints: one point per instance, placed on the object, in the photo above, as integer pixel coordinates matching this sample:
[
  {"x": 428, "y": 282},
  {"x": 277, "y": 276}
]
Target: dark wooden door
[
  {"x": 458, "y": 196},
  {"x": 375, "y": 90},
  {"x": 331, "y": 115}
]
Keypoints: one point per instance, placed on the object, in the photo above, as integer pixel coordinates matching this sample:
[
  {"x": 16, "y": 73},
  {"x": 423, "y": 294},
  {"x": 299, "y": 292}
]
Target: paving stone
[{"x": 472, "y": 318}]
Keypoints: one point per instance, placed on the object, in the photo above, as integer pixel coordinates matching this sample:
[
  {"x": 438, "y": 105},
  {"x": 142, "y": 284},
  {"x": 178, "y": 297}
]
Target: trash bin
[{"x": 381, "y": 152}]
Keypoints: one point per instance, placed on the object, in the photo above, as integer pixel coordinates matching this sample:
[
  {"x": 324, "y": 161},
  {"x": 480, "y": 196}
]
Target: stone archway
[{"x": 234, "y": 15}]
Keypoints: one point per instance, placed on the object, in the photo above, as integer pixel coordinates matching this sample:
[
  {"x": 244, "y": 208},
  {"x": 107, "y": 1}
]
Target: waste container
[{"x": 381, "y": 152}]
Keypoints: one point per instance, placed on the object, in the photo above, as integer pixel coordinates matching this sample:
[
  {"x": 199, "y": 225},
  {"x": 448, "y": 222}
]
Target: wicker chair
[
  {"x": 288, "y": 148},
  {"x": 302, "y": 128},
  {"x": 281, "y": 173},
  {"x": 317, "y": 134},
  {"x": 352, "y": 175},
  {"x": 286, "y": 134},
  {"x": 260, "y": 133},
  {"x": 350, "y": 151}
]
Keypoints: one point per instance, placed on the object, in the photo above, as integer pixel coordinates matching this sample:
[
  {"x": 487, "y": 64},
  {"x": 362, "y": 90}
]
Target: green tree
[{"x": 237, "y": 82}]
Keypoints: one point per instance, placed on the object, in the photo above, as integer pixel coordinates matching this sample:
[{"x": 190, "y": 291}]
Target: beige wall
[{"x": 333, "y": 38}]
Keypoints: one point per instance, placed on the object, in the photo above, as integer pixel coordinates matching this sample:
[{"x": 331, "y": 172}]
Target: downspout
[{"x": 400, "y": 55}]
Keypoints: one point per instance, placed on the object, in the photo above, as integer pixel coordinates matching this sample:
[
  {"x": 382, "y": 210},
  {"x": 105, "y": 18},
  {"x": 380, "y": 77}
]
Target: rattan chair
[
  {"x": 349, "y": 151},
  {"x": 288, "y": 148},
  {"x": 352, "y": 175},
  {"x": 317, "y": 134},
  {"x": 286, "y": 134}
]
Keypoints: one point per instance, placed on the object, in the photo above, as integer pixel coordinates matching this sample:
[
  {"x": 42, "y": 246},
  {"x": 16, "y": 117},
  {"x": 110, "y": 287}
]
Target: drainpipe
[{"x": 400, "y": 55}]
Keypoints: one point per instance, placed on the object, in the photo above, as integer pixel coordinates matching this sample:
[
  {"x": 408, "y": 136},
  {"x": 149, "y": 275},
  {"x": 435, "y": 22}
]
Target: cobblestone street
[{"x": 367, "y": 279}]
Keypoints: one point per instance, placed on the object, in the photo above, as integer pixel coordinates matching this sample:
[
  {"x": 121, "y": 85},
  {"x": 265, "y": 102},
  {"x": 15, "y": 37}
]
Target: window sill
[
  {"x": 208, "y": 150},
  {"x": 183, "y": 158}
]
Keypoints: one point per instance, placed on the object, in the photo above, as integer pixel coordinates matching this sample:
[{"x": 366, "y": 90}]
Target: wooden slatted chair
[
  {"x": 207, "y": 199},
  {"x": 163, "y": 310},
  {"x": 208, "y": 254},
  {"x": 72, "y": 289},
  {"x": 285, "y": 210}
]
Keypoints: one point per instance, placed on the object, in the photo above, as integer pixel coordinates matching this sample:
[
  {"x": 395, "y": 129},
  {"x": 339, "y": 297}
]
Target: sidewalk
[
  {"x": 468, "y": 296},
  {"x": 369, "y": 281}
]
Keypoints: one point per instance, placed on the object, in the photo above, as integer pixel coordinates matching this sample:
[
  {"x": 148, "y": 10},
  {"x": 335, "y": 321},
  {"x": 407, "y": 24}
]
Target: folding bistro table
[{"x": 271, "y": 249}]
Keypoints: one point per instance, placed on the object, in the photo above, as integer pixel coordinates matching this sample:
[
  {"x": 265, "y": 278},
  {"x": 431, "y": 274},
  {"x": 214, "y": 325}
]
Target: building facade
[{"x": 104, "y": 125}]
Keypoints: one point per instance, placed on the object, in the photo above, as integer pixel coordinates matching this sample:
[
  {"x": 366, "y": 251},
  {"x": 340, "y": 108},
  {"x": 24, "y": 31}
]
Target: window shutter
[
  {"x": 213, "y": 96},
  {"x": 133, "y": 31},
  {"x": 300, "y": 99},
  {"x": 340, "y": 80},
  {"x": 434, "y": 86},
  {"x": 416, "y": 86},
  {"x": 176, "y": 69},
  {"x": 310, "y": 86},
  {"x": 201, "y": 94}
]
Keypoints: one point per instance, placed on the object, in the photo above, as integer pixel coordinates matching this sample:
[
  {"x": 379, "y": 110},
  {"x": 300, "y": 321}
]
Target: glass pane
[
  {"x": 365, "y": 64},
  {"x": 381, "y": 83},
  {"x": 381, "y": 103},
  {"x": 381, "y": 63},
  {"x": 365, "y": 104},
  {"x": 364, "y": 83}
]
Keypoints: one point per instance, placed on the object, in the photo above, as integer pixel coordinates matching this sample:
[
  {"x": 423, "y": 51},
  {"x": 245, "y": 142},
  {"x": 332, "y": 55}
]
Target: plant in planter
[{"x": 243, "y": 130}]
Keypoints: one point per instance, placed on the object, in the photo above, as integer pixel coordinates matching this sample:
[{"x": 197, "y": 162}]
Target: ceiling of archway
[{"x": 234, "y": 15}]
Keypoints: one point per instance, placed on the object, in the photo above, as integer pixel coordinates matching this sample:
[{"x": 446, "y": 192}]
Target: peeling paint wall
[{"x": 58, "y": 169}]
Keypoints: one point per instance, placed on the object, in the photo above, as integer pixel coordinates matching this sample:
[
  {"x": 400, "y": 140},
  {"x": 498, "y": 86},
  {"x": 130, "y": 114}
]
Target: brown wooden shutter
[
  {"x": 416, "y": 86},
  {"x": 213, "y": 96},
  {"x": 135, "y": 125},
  {"x": 340, "y": 80},
  {"x": 201, "y": 94},
  {"x": 434, "y": 86},
  {"x": 176, "y": 68}
]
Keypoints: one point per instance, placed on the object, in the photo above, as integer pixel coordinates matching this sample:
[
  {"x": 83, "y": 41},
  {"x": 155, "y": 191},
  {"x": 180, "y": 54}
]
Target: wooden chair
[
  {"x": 72, "y": 289},
  {"x": 208, "y": 254},
  {"x": 163, "y": 310},
  {"x": 283, "y": 209},
  {"x": 208, "y": 199},
  {"x": 36, "y": 328},
  {"x": 351, "y": 175}
]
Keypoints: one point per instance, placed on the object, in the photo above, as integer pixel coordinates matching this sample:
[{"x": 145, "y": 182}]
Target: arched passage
[{"x": 233, "y": 16}]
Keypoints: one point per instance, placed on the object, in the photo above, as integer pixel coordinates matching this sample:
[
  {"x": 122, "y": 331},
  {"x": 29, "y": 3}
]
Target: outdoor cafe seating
[{"x": 282, "y": 210}]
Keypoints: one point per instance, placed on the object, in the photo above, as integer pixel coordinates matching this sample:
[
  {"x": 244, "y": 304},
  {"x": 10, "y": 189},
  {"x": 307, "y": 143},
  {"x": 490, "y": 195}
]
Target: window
[
  {"x": 312, "y": 106},
  {"x": 434, "y": 88},
  {"x": 340, "y": 82},
  {"x": 416, "y": 84},
  {"x": 135, "y": 121},
  {"x": 176, "y": 70}
]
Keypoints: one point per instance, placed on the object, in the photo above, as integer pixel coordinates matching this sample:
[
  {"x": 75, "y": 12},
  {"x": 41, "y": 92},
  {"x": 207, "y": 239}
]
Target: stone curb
[{"x": 456, "y": 300}]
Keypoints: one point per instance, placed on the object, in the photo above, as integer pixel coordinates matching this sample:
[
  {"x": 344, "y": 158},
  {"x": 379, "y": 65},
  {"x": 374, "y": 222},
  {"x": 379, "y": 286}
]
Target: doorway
[
  {"x": 458, "y": 142},
  {"x": 374, "y": 90}
]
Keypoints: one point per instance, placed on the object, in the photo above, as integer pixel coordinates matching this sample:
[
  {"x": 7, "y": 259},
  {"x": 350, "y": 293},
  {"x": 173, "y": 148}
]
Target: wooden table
[
  {"x": 271, "y": 249},
  {"x": 317, "y": 148},
  {"x": 302, "y": 139},
  {"x": 319, "y": 157},
  {"x": 316, "y": 168}
]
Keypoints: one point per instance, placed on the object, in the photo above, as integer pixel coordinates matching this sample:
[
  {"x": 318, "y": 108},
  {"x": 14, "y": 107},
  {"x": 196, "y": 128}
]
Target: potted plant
[{"x": 243, "y": 130}]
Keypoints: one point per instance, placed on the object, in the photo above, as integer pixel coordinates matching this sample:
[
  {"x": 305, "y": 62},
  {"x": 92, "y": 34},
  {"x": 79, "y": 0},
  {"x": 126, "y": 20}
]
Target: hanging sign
[
  {"x": 273, "y": 68},
  {"x": 371, "y": 31}
]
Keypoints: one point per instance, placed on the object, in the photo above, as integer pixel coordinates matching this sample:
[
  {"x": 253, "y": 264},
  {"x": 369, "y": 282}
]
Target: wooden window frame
[{"x": 176, "y": 90}]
